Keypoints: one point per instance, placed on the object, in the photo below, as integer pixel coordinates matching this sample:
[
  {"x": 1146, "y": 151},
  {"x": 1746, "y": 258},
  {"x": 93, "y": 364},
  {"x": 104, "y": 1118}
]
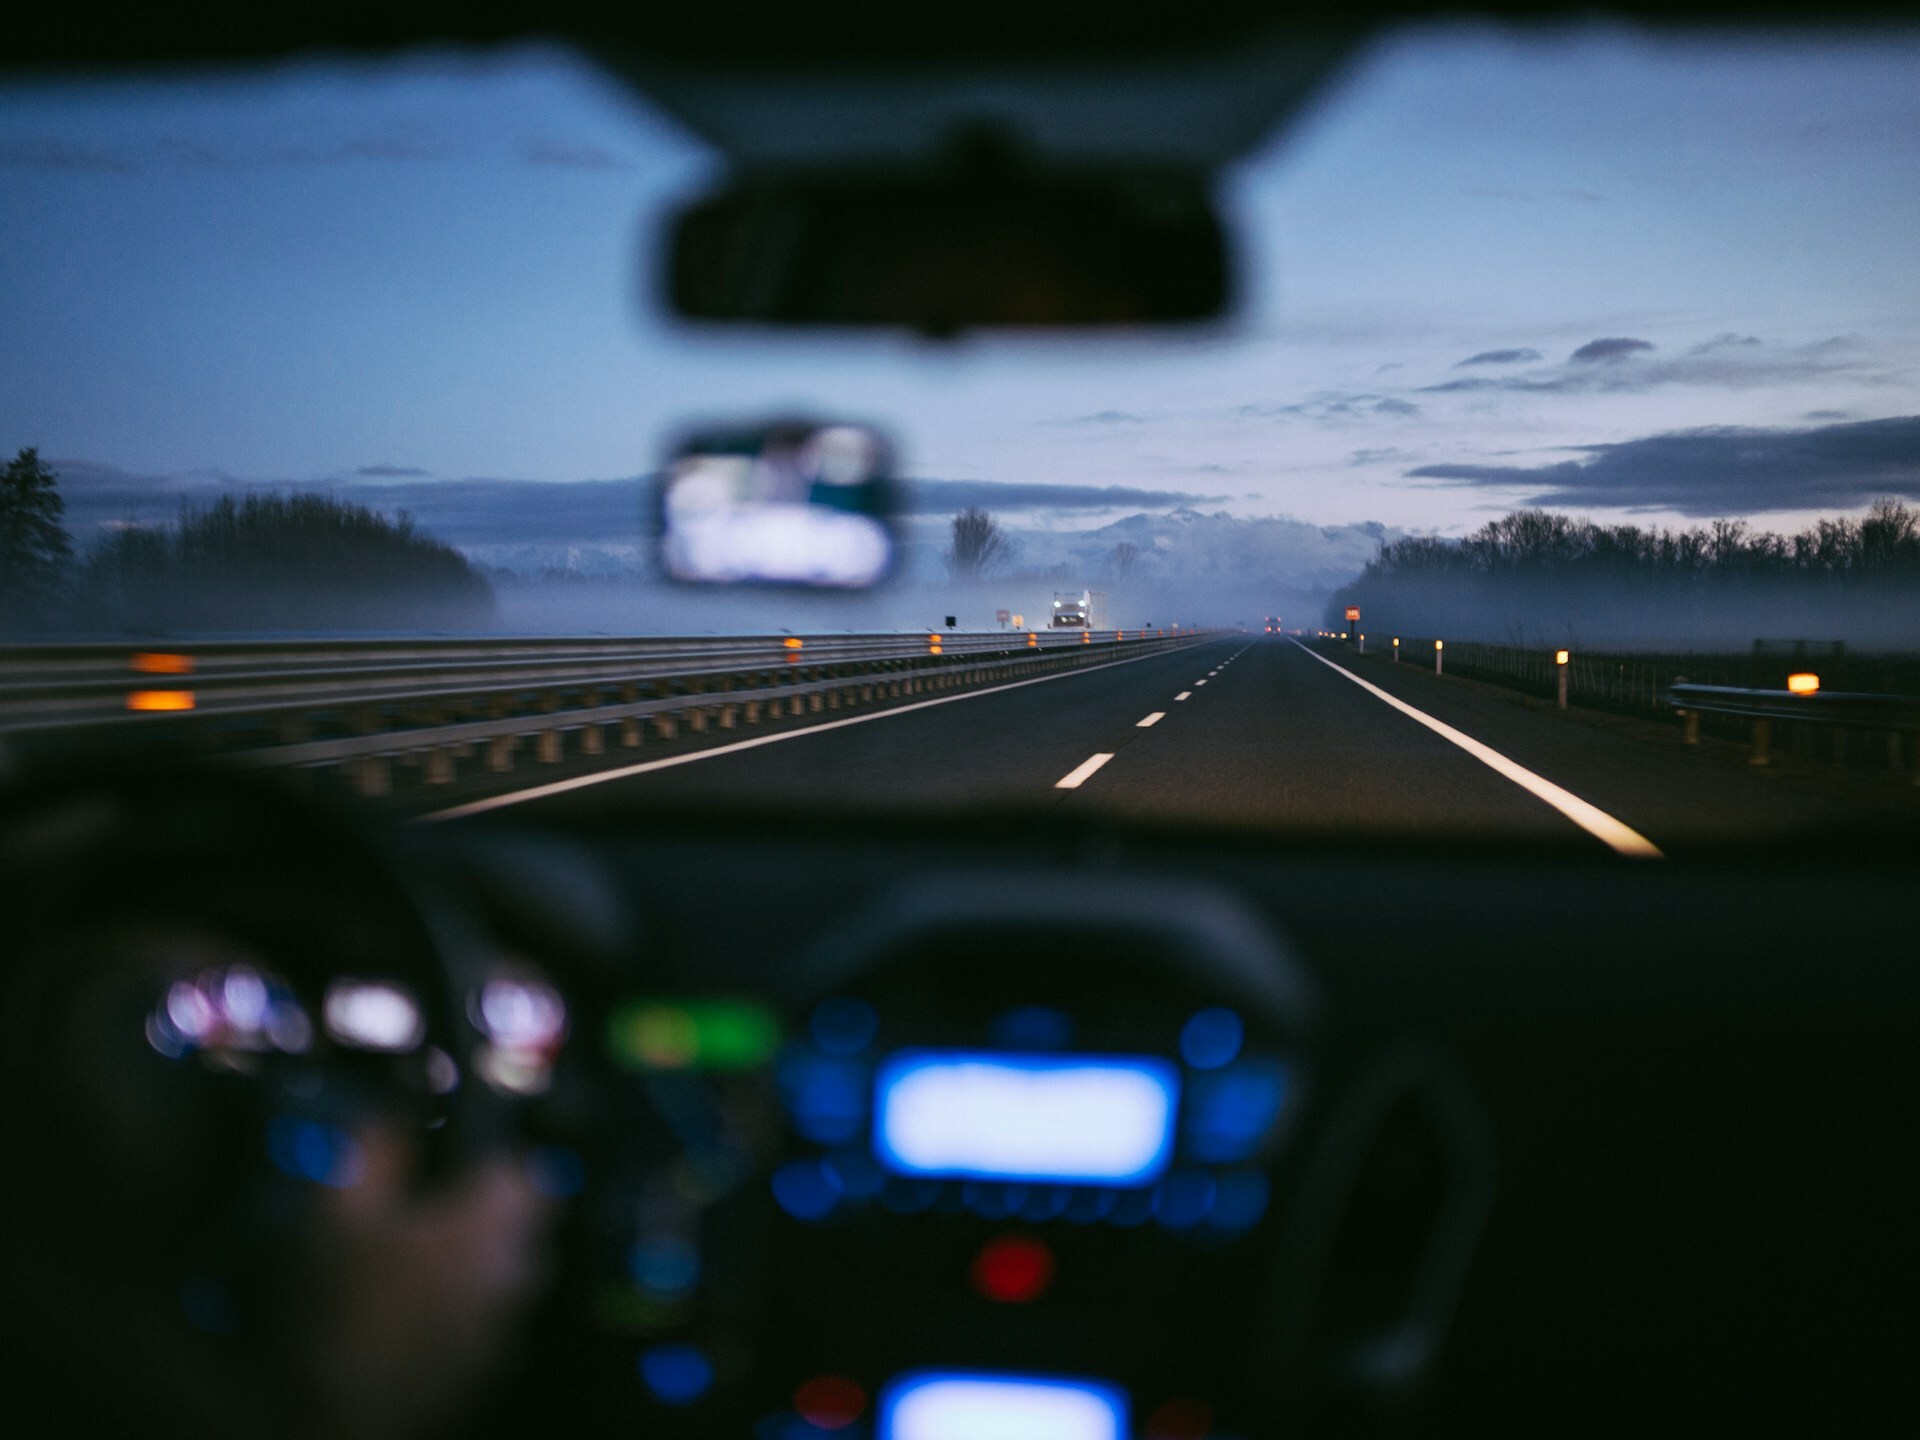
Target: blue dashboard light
[
  {"x": 983, "y": 1115},
  {"x": 1047, "y": 1202},
  {"x": 309, "y": 1150},
  {"x": 1212, "y": 1038},
  {"x": 827, "y": 1097},
  {"x": 1087, "y": 1207},
  {"x": 909, "y": 1197},
  {"x": 1183, "y": 1199},
  {"x": 676, "y": 1374},
  {"x": 666, "y": 1265},
  {"x": 806, "y": 1190},
  {"x": 1131, "y": 1208},
  {"x": 1230, "y": 1111},
  {"x": 970, "y": 1405},
  {"x": 844, "y": 1025}
]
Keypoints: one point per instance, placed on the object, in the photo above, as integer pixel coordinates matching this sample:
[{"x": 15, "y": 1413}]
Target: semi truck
[{"x": 1078, "y": 610}]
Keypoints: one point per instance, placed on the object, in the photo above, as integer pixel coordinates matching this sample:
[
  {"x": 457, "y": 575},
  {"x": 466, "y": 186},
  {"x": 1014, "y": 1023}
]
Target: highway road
[{"x": 1243, "y": 732}]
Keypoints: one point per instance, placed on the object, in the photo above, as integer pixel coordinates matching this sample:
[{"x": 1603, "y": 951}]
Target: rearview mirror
[
  {"x": 790, "y": 503},
  {"x": 950, "y": 249}
]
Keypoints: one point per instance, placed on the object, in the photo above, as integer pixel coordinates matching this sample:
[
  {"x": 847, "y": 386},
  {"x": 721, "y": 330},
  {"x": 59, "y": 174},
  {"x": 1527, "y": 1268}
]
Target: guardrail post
[
  {"x": 547, "y": 747},
  {"x": 439, "y": 769},
  {"x": 1690, "y": 726},
  {"x": 500, "y": 754},
  {"x": 1762, "y": 753},
  {"x": 372, "y": 775},
  {"x": 630, "y": 733},
  {"x": 666, "y": 726},
  {"x": 593, "y": 740}
]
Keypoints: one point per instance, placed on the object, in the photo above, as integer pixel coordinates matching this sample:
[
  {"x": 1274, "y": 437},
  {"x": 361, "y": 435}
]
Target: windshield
[{"x": 1571, "y": 367}]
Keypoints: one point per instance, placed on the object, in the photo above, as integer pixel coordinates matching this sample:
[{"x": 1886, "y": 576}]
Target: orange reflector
[
  {"x": 160, "y": 700},
  {"x": 149, "y": 662},
  {"x": 792, "y": 642},
  {"x": 1559, "y": 657},
  {"x": 1803, "y": 684}
]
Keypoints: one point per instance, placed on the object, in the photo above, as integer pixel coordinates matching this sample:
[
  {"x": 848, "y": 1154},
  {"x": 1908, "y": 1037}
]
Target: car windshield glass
[{"x": 1572, "y": 368}]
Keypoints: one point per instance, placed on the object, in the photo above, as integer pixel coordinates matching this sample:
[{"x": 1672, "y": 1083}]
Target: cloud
[
  {"x": 1609, "y": 348},
  {"x": 1100, "y": 417},
  {"x": 1621, "y": 365},
  {"x": 390, "y": 472},
  {"x": 1331, "y": 405},
  {"x": 1723, "y": 470},
  {"x": 1500, "y": 357},
  {"x": 939, "y": 497}
]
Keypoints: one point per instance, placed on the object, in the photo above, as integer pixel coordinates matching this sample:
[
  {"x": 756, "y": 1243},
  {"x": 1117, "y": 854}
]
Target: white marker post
[
  {"x": 1438, "y": 646},
  {"x": 1560, "y": 669}
]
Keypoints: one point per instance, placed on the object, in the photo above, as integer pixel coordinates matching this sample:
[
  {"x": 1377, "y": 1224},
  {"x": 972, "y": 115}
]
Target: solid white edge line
[
  {"x": 1590, "y": 818},
  {"x": 1077, "y": 776},
  {"x": 601, "y": 777},
  {"x": 1153, "y": 719},
  {"x": 1183, "y": 694}
]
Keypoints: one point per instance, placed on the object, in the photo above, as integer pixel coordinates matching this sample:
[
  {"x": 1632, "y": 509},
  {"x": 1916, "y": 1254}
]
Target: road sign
[
  {"x": 1353, "y": 612},
  {"x": 1003, "y": 616}
]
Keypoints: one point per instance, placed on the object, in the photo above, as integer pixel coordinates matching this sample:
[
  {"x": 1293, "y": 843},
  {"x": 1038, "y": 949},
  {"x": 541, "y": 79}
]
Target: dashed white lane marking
[
  {"x": 1078, "y": 776},
  {"x": 1590, "y": 818},
  {"x": 1153, "y": 719},
  {"x": 1183, "y": 694},
  {"x": 645, "y": 767},
  {"x": 1199, "y": 682}
]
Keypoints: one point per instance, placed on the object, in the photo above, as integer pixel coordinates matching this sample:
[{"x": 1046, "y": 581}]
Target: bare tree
[
  {"x": 978, "y": 544},
  {"x": 1124, "y": 556}
]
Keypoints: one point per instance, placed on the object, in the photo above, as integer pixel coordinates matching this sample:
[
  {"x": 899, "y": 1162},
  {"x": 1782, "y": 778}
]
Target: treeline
[
  {"x": 300, "y": 562},
  {"x": 1535, "y": 575}
]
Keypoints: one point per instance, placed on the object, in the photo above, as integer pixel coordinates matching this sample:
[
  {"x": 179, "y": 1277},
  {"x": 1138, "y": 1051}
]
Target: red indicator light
[
  {"x": 1179, "y": 1420},
  {"x": 1013, "y": 1269},
  {"x": 831, "y": 1402}
]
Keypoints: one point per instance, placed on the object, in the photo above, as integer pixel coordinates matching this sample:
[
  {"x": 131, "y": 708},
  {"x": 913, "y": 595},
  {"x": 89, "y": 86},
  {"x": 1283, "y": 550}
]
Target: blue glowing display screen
[
  {"x": 962, "y": 1405},
  {"x": 984, "y": 1115}
]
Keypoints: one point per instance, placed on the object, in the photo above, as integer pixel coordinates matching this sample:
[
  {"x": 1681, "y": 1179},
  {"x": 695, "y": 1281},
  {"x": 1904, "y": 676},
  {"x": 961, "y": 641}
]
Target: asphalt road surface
[{"x": 1249, "y": 731}]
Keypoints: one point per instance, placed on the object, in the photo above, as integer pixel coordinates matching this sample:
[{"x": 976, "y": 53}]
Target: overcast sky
[{"x": 1672, "y": 279}]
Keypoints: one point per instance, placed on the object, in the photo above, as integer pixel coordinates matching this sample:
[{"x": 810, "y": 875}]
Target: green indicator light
[{"x": 694, "y": 1035}]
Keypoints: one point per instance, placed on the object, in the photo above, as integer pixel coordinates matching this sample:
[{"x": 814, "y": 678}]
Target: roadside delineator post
[
  {"x": 1396, "y": 649},
  {"x": 1560, "y": 671},
  {"x": 1438, "y": 646}
]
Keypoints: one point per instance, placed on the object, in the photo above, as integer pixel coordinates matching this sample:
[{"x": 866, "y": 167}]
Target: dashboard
[
  {"x": 1019, "y": 1126},
  {"x": 1066, "y": 1131}
]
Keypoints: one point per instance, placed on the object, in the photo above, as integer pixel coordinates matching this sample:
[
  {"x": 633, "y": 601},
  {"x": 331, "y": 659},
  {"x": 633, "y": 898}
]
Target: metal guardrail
[
  {"x": 1897, "y": 716},
  {"x": 365, "y": 705},
  {"x": 1822, "y": 707}
]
